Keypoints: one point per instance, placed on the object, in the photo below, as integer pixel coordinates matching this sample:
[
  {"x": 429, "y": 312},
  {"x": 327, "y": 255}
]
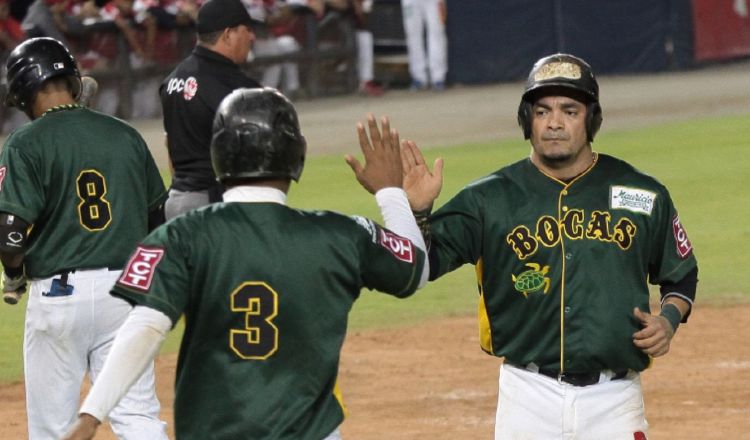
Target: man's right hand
[
  {"x": 13, "y": 288},
  {"x": 422, "y": 187},
  {"x": 83, "y": 429}
]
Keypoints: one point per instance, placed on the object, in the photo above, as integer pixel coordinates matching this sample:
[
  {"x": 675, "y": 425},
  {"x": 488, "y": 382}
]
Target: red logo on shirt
[
  {"x": 191, "y": 88},
  {"x": 399, "y": 246},
  {"x": 2, "y": 177},
  {"x": 140, "y": 269},
  {"x": 680, "y": 236},
  {"x": 639, "y": 436}
]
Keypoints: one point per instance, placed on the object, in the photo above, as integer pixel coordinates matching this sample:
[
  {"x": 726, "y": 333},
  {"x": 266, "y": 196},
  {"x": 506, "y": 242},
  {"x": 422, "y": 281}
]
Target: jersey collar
[{"x": 254, "y": 194}]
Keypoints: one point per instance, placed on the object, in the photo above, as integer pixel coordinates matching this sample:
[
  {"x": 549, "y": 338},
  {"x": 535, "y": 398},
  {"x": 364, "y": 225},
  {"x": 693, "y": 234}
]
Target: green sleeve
[
  {"x": 388, "y": 262},
  {"x": 21, "y": 191},
  {"x": 456, "y": 230},
  {"x": 155, "y": 189},
  {"x": 157, "y": 273},
  {"x": 672, "y": 256}
]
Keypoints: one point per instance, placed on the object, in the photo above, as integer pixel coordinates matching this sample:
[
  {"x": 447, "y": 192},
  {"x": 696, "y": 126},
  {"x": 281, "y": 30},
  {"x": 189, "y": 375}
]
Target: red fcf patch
[
  {"x": 140, "y": 269},
  {"x": 680, "y": 236},
  {"x": 639, "y": 436},
  {"x": 399, "y": 246}
]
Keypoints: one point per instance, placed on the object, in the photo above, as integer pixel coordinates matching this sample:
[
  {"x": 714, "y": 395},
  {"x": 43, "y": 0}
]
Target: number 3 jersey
[
  {"x": 265, "y": 290},
  {"x": 86, "y": 182}
]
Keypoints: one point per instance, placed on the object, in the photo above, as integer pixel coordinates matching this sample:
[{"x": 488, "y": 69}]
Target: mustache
[{"x": 555, "y": 137}]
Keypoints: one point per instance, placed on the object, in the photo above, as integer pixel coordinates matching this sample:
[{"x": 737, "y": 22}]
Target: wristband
[
  {"x": 14, "y": 272},
  {"x": 673, "y": 315}
]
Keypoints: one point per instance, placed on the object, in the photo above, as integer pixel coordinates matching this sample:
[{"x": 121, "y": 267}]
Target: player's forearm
[
  {"x": 397, "y": 216},
  {"x": 134, "y": 348}
]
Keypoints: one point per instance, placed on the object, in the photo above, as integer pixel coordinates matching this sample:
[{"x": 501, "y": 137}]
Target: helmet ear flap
[
  {"x": 593, "y": 120},
  {"x": 524, "y": 118}
]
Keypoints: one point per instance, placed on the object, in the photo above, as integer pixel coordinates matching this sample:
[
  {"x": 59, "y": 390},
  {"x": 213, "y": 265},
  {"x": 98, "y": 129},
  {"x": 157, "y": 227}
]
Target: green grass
[{"x": 705, "y": 164}]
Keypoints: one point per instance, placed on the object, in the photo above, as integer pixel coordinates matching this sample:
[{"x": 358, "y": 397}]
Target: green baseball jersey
[
  {"x": 265, "y": 290},
  {"x": 86, "y": 182},
  {"x": 560, "y": 266}
]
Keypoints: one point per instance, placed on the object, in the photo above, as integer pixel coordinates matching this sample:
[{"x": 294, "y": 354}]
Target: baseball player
[
  {"x": 78, "y": 189},
  {"x": 565, "y": 243},
  {"x": 265, "y": 288}
]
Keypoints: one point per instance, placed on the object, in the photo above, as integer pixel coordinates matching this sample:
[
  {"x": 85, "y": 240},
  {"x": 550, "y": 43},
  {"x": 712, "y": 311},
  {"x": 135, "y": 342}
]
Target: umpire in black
[{"x": 191, "y": 94}]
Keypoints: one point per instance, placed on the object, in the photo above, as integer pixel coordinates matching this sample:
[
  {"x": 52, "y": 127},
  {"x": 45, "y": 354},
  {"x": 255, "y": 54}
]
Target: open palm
[{"x": 421, "y": 185}]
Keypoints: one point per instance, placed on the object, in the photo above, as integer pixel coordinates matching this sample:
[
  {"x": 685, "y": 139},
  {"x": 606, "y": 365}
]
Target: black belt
[{"x": 580, "y": 379}]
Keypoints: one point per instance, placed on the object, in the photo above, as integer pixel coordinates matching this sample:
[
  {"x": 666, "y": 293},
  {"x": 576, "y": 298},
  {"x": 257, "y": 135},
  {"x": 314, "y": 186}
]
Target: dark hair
[{"x": 210, "y": 38}]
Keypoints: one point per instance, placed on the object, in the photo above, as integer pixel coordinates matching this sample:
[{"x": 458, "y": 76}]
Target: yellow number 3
[{"x": 260, "y": 337}]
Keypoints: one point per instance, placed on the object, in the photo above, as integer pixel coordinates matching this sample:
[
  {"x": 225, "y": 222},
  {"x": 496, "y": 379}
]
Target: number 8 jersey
[{"x": 86, "y": 182}]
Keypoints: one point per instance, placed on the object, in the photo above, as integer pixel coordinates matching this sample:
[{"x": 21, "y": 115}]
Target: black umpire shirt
[{"x": 190, "y": 96}]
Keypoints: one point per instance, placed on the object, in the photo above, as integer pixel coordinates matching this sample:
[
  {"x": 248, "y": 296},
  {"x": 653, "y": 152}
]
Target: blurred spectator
[
  {"x": 168, "y": 14},
  {"x": 122, "y": 13},
  {"x": 358, "y": 11},
  {"x": 10, "y": 30},
  {"x": 418, "y": 16},
  {"x": 273, "y": 39},
  {"x": 11, "y": 35},
  {"x": 51, "y": 18}
]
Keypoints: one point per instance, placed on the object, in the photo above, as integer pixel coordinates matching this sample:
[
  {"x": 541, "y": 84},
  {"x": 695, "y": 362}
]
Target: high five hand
[
  {"x": 422, "y": 186},
  {"x": 382, "y": 167}
]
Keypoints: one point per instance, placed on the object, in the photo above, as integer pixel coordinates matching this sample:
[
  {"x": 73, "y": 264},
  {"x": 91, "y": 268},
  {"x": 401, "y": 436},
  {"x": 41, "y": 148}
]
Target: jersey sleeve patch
[
  {"x": 3, "y": 172},
  {"x": 140, "y": 269},
  {"x": 399, "y": 246},
  {"x": 684, "y": 247}
]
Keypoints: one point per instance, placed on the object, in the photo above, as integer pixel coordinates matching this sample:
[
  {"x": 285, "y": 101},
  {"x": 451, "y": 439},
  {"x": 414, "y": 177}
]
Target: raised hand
[
  {"x": 382, "y": 167},
  {"x": 422, "y": 186}
]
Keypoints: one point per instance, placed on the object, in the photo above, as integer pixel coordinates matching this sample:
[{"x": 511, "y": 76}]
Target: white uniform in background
[{"x": 426, "y": 66}]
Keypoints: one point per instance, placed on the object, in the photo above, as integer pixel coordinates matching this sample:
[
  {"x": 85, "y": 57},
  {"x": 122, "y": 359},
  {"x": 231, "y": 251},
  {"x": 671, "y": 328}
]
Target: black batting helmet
[
  {"x": 566, "y": 73},
  {"x": 32, "y": 63},
  {"x": 257, "y": 136}
]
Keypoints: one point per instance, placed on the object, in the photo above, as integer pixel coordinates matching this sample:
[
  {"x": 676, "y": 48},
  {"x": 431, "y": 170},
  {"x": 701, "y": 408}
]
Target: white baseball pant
[
  {"x": 419, "y": 15},
  {"x": 69, "y": 336},
  {"x": 534, "y": 406}
]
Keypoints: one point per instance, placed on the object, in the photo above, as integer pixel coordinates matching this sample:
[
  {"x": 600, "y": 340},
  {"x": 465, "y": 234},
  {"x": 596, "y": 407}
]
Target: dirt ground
[{"x": 431, "y": 380}]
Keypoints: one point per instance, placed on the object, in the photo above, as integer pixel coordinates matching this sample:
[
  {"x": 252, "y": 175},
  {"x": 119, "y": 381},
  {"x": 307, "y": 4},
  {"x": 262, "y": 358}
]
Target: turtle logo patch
[{"x": 532, "y": 280}]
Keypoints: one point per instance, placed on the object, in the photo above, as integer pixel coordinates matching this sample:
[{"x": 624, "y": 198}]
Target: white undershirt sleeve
[
  {"x": 134, "y": 348},
  {"x": 397, "y": 216}
]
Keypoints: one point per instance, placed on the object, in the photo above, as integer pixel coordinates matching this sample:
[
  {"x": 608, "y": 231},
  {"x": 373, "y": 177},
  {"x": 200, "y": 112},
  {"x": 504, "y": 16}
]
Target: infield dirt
[{"x": 431, "y": 380}]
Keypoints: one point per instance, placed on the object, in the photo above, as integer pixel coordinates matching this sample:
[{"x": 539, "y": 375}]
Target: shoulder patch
[
  {"x": 3, "y": 172},
  {"x": 399, "y": 246},
  {"x": 684, "y": 247},
  {"x": 140, "y": 269},
  {"x": 191, "y": 88},
  {"x": 631, "y": 199}
]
